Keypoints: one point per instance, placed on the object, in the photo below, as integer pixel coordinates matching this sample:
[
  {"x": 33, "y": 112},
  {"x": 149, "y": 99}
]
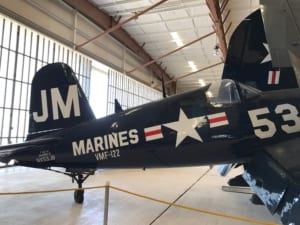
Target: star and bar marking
[
  {"x": 217, "y": 120},
  {"x": 273, "y": 77},
  {"x": 153, "y": 133},
  {"x": 186, "y": 127},
  {"x": 268, "y": 56}
]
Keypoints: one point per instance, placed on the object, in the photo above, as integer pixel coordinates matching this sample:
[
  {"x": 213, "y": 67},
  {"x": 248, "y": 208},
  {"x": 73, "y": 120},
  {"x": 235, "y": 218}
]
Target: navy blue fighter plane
[{"x": 224, "y": 122}]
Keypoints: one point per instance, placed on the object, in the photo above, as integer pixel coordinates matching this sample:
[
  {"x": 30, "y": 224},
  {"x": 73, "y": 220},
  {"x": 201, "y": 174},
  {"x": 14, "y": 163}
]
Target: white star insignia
[
  {"x": 268, "y": 56},
  {"x": 186, "y": 127}
]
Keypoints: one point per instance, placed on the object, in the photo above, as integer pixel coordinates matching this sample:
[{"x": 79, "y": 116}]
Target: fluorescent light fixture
[
  {"x": 175, "y": 35},
  {"x": 209, "y": 94},
  {"x": 177, "y": 39},
  {"x": 179, "y": 43},
  {"x": 192, "y": 65},
  {"x": 201, "y": 82}
]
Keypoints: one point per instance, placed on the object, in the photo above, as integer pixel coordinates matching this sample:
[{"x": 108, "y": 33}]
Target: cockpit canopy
[{"x": 228, "y": 92}]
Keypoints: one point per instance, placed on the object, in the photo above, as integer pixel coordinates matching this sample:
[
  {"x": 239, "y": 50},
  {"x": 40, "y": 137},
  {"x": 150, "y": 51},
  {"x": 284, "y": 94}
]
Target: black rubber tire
[
  {"x": 256, "y": 200},
  {"x": 79, "y": 196}
]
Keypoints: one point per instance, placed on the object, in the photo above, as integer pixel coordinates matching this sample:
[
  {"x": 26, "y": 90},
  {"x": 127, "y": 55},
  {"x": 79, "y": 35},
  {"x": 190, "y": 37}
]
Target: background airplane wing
[
  {"x": 251, "y": 58},
  {"x": 281, "y": 22},
  {"x": 274, "y": 176}
]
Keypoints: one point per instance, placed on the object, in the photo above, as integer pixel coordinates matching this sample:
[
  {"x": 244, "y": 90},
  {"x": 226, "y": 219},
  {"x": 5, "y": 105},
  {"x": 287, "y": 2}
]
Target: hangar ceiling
[
  {"x": 173, "y": 24},
  {"x": 184, "y": 40}
]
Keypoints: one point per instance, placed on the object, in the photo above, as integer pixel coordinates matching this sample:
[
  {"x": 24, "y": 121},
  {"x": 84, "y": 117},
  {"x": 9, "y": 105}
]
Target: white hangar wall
[
  {"x": 61, "y": 22},
  {"x": 23, "y": 51}
]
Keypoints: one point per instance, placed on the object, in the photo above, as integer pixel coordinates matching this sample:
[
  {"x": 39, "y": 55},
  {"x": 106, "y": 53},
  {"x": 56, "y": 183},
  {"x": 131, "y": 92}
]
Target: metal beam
[
  {"x": 223, "y": 5},
  {"x": 215, "y": 13},
  {"x": 105, "y": 21},
  {"x": 226, "y": 16},
  {"x": 119, "y": 25},
  {"x": 193, "y": 73},
  {"x": 227, "y": 29},
  {"x": 171, "y": 52}
]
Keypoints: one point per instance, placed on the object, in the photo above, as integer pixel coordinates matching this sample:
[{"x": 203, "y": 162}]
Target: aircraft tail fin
[
  {"x": 57, "y": 101},
  {"x": 249, "y": 59}
]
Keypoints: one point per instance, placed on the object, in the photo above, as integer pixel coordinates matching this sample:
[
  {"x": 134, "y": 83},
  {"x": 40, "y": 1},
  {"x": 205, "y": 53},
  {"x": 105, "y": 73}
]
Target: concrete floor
[{"x": 124, "y": 209}]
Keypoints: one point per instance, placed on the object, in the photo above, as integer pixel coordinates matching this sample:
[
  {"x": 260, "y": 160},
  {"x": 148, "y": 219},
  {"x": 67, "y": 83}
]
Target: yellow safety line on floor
[
  {"x": 50, "y": 191},
  {"x": 243, "y": 219},
  {"x": 196, "y": 210}
]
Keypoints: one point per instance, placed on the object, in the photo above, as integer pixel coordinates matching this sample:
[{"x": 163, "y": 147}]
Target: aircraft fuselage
[{"x": 183, "y": 130}]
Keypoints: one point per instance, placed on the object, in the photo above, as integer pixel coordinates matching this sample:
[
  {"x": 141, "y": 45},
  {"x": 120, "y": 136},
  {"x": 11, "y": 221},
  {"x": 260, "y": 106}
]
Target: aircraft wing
[
  {"x": 282, "y": 22},
  {"x": 255, "y": 60},
  {"x": 274, "y": 175}
]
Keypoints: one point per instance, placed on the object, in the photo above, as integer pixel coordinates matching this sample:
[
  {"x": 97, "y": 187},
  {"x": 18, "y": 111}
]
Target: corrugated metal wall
[{"x": 23, "y": 51}]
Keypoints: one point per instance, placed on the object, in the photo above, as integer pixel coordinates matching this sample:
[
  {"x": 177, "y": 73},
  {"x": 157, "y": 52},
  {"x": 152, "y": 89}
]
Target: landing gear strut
[
  {"x": 78, "y": 194},
  {"x": 79, "y": 177}
]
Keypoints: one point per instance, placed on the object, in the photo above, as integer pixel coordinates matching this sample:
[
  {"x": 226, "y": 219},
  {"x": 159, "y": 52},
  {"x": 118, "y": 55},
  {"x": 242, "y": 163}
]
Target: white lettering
[
  {"x": 58, "y": 104},
  {"x": 89, "y": 146},
  {"x": 44, "y": 116},
  {"x": 98, "y": 142},
  {"x": 101, "y": 156},
  {"x": 106, "y": 142},
  {"x": 78, "y": 148},
  {"x": 133, "y": 135},
  {"x": 123, "y": 138},
  {"x": 65, "y": 109},
  {"x": 263, "y": 128},
  {"x": 289, "y": 113},
  {"x": 113, "y": 140}
]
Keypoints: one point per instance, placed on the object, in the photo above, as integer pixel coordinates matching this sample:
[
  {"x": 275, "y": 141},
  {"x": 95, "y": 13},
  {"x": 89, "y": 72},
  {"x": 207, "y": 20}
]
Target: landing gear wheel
[
  {"x": 78, "y": 176},
  {"x": 256, "y": 200},
  {"x": 79, "y": 196}
]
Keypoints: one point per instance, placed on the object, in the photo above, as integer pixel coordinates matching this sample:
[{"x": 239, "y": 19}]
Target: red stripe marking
[
  {"x": 218, "y": 119},
  {"x": 273, "y": 77},
  {"x": 153, "y": 132}
]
